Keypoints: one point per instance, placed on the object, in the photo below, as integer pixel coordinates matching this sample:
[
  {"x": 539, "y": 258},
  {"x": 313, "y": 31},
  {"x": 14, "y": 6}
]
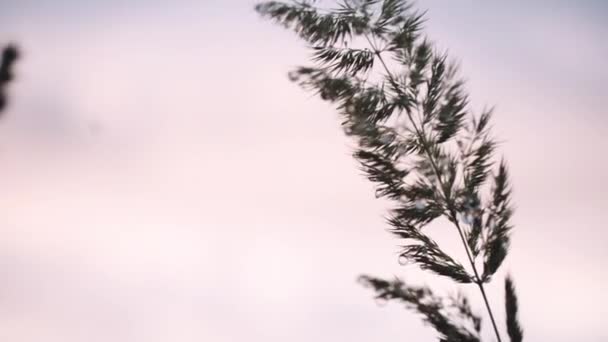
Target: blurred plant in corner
[
  {"x": 405, "y": 106},
  {"x": 9, "y": 56}
]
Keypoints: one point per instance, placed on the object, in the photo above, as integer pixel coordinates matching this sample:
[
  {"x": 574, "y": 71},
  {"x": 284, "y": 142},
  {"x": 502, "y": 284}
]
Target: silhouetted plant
[
  {"x": 406, "y": 108},
  {"x": 9, "y": 56}
]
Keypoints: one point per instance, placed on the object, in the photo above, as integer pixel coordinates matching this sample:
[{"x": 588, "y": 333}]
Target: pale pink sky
[{"x": 163, "y": 181}]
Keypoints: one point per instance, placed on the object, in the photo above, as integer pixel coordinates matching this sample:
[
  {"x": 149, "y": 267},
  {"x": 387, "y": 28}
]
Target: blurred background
[{"x": 162, "y": 180}]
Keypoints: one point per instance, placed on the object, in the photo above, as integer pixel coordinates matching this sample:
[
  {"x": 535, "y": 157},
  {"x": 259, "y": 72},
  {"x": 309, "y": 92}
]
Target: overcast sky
[{"x": 162, "y": 180}]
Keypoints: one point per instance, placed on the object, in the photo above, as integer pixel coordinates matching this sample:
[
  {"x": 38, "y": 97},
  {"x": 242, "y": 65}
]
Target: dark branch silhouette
[
  {"x": 10, "y": 54},
  {"x": 407, "y": 109}
]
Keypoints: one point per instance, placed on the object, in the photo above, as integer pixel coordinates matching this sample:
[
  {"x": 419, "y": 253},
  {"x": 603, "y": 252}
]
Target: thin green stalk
[{"x": 477, "y": 277}]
